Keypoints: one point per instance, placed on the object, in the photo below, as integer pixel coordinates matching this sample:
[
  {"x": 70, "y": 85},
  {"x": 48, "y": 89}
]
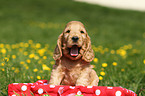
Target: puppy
[{"x": 73, "y": 54}]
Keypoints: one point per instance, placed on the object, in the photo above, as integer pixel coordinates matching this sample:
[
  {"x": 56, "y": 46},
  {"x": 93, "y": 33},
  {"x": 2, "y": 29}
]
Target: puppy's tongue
[{"x": 74, "y": 51}]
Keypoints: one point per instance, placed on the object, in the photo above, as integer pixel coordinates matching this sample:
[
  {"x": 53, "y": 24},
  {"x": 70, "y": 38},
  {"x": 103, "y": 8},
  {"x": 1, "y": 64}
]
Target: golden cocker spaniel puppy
[{"x": 73, "y": 55}]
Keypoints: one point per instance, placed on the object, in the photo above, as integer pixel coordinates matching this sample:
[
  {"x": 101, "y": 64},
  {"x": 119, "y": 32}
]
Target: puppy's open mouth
[{"x": 74, "y": 51}]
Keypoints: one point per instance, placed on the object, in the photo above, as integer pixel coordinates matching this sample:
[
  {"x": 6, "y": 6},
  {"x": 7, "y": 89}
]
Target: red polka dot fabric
[{"x": 41, "y": 88}]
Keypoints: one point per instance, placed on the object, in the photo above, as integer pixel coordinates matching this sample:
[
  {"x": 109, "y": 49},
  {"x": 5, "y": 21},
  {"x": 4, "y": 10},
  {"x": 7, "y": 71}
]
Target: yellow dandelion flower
[
  {"x": 13, "y": 68},
  {"x": 112, "y": 51},
  {"x": 100, "y": 47},
  {"x": 45, "y": 67},
  {"x": 13, "y": 46},
  {"x": 41, "y": 52},
  {"x": 95, "y": 60},
  {"x": 16, "y": 70},
  {"x": 3, "y": 69},
  {"x": 102, "y": 73},
  {"x": 102, "y": 69},
  {"x": 25, "y": 53},
  {"x": 36, "y": 57},
  {"x": 125, "y": 47},
  {"x": 114, "y": 63},
  {"x": 6, "y": 59},
  {"x": 144, "y": 61},
  {"x": 104, "y": 64},
  {"x": 122, "y": 52},
  {"x": 17, "y": 45},
  {"x": 122, "y": 70},
  {"x": 7, "y": 46},
  {"x": 102, "y": 51},
  {"x": 2, "y": 64},
  {"x": 44, "y": 57},
  {"x": 35, "y": 70},
  {"x": 38, "y": 45},
  {"x": 20, "y": 49},
  {"x": 28, "y": 61},
  {"x": 30, "y": 41},
  {"x": 14, "y": 56},
  {"x": 1, "y": 45},
  {"x": 134, "y": 51},
  {"x": 93, "y": 66},
  {"x": 27, "y": 67},
  {"x": 100, "y": 78},
  {"x": 38, "y": 77},
  {"x": 32, "y": 55},
  {"x": 31, "y": 77},
  {"x": 129, "y": 62},
  {"x": 3, "y": 51},
  {"x": 46, "y": 46},
  {"x": 22, "y": 62},
  {"x": 106, "y": 49},
  {"x": 41, "y": 71},
  {"x": 40, "y": 61},
  {"x": 26, "y": 45},
  {"x": 129, "y": 46},
  {"x": 21, "y": 44},
  {"x": 52, "y": 62}
]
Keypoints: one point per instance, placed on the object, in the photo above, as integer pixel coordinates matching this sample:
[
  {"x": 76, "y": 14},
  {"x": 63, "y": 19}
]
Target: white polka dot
[
  {"x": 118, "y": 93},
  {"x": 127, "y": 91},
  {"x": 72, "y": 87},
  {"x": 40, "y": 91},
  {"x": 40, "y": 81},
  {"x": 45, "y": 84},
  {"x": 79, "y": 93},
  {"x": 14, "y": 95},
  {"x": 98, "y": 92},
  {"x": 31, "y": 83},
  {"x": 15, "y": 83},
  {"x": 24, "y": 88},
  {"x": 37, "y": 83},
  {"x": 32, "y": 86},
  {"x": 89, "y": 86},
  {"x": 109, "y": 87},
  {"x": 52, "y": 86}
]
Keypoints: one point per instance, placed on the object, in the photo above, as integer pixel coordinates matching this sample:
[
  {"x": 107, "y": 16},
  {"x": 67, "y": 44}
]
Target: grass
[{"x": 29, "y": 30}]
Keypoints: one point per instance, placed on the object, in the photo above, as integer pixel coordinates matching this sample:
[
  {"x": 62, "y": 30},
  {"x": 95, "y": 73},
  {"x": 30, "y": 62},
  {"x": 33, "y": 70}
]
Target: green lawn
[{"x": 29, "y": 30}]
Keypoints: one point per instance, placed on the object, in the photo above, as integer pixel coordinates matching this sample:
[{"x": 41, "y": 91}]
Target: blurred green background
[
  {"x": 105, "y": 25},
  {"x": 110, "y": 29}
]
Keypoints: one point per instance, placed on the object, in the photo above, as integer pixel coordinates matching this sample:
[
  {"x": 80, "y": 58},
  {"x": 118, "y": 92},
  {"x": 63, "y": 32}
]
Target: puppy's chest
[
  {"x": 72, "y": 72},
  {"x": 71, "y": 75}
]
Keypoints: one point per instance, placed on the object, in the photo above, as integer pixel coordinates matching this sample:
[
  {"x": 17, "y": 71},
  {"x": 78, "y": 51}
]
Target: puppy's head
[{"x": 74, "y": 43}]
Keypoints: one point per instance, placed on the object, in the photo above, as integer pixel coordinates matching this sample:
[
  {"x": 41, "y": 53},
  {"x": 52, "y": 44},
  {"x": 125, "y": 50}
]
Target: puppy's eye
[
  {"x": 82, "y": 31},
  {"x": 68, "y": 31}
]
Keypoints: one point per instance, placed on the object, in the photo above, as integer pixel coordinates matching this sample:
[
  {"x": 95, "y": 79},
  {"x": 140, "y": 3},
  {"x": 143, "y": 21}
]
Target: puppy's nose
[{"x": 75, "y": 38}]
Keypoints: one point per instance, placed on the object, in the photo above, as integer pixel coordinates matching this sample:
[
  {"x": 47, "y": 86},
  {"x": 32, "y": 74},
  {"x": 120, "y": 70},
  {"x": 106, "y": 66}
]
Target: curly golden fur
[{"x": 73, "y": 55}]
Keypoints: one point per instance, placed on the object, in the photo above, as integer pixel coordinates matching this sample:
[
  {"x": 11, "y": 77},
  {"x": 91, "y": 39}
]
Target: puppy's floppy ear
[
  {"x": 58, "y": 49},
  {"x": 88, "y": 54}
]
